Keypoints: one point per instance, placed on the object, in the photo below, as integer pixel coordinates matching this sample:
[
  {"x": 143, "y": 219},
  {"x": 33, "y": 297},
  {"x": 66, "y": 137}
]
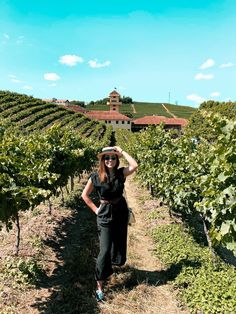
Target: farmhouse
[
  {"x": 169, "y": 123},
  {"x": 112, "y": 117}
]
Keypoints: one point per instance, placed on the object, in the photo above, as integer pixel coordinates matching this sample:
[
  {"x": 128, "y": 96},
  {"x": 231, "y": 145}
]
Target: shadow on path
[
  {"x": 72, "y": 284},
  {"x": 129, "y": 277}
]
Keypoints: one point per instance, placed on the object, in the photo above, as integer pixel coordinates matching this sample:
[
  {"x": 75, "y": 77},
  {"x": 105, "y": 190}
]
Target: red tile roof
[
  {"x": 107, "y": 115},
  {"x": 159, "y": 119}
]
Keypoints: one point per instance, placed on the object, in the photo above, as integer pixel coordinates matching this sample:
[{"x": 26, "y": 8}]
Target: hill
[
  {"x": 30, "y": 114},
  {"x": 141, "y": 109}
]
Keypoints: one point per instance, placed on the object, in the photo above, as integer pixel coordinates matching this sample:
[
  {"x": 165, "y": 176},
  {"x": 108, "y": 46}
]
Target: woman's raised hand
[{"x": 119, "y": 150}]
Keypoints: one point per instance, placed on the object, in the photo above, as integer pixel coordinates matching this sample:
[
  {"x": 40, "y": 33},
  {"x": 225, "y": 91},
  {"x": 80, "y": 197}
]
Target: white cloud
[
  {"x": 15, "y": 80},
  {"x": 227, "y": 65},
  {"x": 20, "y": 39},
  {"x": 6, "y": 36},
  {"x": 195, "y": 98},
  {"x": 95, "y": 64},
  {"x": 207, "y": 64},
  {"x": 215, "y": 94},
  {"x": 51, "y": 77},
  {"x": 70, "y": 60},
  {"x": 201, "y": 76},
  {"x": 27, "y": 87}
]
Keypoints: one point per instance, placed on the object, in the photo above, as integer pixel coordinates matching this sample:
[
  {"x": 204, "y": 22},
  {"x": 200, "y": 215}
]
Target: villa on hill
[
  {"x": 120, "y": 121},
  {"x": 117, "y": 120}
]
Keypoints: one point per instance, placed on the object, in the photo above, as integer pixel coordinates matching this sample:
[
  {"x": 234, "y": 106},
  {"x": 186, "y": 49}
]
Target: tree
[
  {"x": 126, "y": 100},
  {"x": 77, "y": 103}
]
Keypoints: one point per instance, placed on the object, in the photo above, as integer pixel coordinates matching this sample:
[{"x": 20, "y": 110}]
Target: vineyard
[
  {"x": 196, "y": 179},
  {"x": 192, "y": 176},
  {"x": 46, "y": 153},
  {"x": 31, "y": 114}
]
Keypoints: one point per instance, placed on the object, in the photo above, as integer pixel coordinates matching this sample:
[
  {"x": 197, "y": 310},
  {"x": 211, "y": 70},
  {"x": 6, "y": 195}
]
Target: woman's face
[{"x": 110, "y": 161}]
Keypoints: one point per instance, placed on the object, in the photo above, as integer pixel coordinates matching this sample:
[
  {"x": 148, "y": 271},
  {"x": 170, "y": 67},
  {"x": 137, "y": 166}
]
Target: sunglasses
[{"x": 110, "y": 158}]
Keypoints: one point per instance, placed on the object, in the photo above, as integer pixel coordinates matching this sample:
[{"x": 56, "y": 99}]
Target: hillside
[
  {"x": 30, "y": 114},
  {"x": 141, "y": 109}
]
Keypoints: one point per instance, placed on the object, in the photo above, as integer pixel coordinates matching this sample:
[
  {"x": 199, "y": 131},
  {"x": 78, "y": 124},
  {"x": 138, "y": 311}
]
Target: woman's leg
[
  {"x": 103, "y": 266},
  {"x": 119, "y": 243},
  {"x": 99, "y": 284}
]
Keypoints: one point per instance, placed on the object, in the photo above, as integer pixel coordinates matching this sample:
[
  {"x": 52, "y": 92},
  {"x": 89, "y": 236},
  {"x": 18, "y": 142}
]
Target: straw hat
[{"x": 108, "y": 151}]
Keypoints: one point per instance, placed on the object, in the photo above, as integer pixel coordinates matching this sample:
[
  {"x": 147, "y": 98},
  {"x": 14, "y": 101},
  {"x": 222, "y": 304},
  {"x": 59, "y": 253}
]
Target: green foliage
[
  {"x": 204, "y": 287},
  {"x": 99, "y": 102},
  {"x": 199, "y": 124},
  {"x": 126, "y": 100},
  {"x": 191, "y": 177},
  {"x": 74, "y": 200},
  {"x": 33, "y": 167},
  {"x": 77, "y": 103},
  {"x": 24, "y": 271}
]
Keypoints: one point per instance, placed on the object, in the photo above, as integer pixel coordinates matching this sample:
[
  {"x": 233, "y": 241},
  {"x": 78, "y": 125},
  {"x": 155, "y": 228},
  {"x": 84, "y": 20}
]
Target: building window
[
  {"x": 123, "y": 122},
  {"x": 105, "y": 121},
  {"x": 109, "y": 121},
  {"x": 128, "y": 122},
  {"x": 117, "y": 122}
]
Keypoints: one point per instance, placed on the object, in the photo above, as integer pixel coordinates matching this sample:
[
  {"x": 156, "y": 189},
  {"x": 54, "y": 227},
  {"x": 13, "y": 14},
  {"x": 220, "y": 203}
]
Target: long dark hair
[{"x": 102, "y": 169}]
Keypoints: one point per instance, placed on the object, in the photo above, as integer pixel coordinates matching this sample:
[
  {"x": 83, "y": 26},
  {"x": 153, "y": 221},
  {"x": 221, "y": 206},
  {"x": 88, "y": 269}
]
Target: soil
[{"x": 64, "y": 245}]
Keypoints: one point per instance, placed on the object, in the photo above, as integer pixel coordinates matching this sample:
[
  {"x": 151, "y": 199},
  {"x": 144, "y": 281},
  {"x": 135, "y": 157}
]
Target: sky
[{"x": 177, "y": 51}]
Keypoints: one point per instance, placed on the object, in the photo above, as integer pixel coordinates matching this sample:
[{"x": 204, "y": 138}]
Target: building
[
  {"x": 169, "y": 123},
  {"x": 112, "y": 117}
]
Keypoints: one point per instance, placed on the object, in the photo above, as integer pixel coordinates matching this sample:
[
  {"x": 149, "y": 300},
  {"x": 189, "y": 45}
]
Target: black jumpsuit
[{"x": 112, "y": 221}]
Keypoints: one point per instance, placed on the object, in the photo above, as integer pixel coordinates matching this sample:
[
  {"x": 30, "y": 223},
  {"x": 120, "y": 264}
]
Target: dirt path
[
  {"x": 168, "y": 111},
  {"x": 140, "y": 287},
  {"x": 133, "y": 108}
]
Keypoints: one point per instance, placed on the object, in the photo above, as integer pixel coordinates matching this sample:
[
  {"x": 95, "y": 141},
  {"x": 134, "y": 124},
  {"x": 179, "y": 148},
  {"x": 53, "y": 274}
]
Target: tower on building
[{"x": 114, "y": 101}]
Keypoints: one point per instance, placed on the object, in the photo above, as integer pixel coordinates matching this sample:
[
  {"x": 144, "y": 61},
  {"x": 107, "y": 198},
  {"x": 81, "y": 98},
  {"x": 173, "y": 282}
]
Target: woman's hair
[{"x": 103, "y": 171}]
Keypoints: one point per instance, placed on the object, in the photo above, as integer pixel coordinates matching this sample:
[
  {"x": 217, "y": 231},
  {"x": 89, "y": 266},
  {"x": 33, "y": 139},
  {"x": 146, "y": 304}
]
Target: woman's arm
[
  {"x": 85, "y": 196},
  {"x": 132, "y": 162}
]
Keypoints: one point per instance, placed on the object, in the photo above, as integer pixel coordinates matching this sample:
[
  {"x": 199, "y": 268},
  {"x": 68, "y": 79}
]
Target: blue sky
[{"x": 156, "y": 51}]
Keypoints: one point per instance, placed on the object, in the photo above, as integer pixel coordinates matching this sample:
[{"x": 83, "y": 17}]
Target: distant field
[
  {"x": 148, "y": 109},
  {"x": 181, "y": 111}
]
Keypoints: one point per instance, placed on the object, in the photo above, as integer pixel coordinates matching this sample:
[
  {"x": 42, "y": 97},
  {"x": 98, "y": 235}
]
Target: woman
[{"x": 112, "y": 213}]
